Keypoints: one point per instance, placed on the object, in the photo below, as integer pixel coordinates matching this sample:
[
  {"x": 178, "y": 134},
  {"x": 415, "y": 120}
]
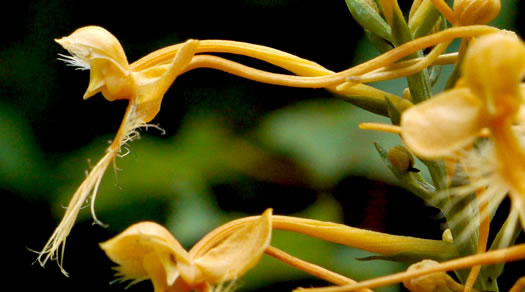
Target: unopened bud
[
  {"x": 447, "y": 236},
  {"x": 401, "y": 159},
  {"x": 406, "y": 94},
  {"x": 435, "y": 282},
  {"x": 469, "y": 12}
]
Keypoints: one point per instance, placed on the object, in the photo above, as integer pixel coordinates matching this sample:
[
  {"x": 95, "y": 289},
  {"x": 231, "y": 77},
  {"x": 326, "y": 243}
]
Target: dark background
[{"x": 41, "y": 98}]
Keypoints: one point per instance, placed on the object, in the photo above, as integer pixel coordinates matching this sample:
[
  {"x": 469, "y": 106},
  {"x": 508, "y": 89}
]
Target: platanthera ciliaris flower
[
  {"x": 96, "y": 49},
  {"x": 147, "y": 250},
  {"x": 144, "y": 83},
  {"x": 489, "y": 95}
]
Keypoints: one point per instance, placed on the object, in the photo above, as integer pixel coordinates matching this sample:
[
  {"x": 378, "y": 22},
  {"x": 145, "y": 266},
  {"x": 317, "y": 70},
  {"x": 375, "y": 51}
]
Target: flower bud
[
  {"x": 469, "y": 12},
  {"x": 95, "y": 48},
  {"x": 406, "y": 94},
  {"x": 435, "y": 282},
  {"x": 447, "y": 236},
  {"x": 401, "y": 158}
]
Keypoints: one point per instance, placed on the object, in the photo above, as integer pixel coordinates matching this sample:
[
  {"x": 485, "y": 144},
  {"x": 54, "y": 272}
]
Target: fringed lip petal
[{"x": 444, "y": 124}]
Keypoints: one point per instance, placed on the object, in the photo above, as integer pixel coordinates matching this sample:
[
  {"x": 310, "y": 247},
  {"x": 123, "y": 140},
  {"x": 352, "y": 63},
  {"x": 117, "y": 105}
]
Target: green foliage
[{"x": 367, "y": 15}]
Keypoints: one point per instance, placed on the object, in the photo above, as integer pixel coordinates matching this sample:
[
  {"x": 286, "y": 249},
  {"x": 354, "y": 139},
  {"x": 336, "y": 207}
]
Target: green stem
[{"x": 419, "y": 83}]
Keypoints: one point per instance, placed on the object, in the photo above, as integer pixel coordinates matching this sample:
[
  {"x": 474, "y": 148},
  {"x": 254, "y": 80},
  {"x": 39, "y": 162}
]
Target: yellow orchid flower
[
  {"x": 147, "y": 250},
  {"x": 96, "y": 49},
  {"x": 488, "y": 96},
  {"x": 145, "y": 82}
]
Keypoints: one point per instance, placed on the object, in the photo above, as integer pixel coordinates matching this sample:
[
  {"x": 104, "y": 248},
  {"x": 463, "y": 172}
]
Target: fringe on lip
[
  {"x": 128, "y": 131},
  {"x": 74, "y": 61},
  {"x": 479, "y": 171}
]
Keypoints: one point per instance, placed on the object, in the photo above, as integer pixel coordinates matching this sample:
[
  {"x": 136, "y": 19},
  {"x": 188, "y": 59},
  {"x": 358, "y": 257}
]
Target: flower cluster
[{"x": 473, "y": 130}]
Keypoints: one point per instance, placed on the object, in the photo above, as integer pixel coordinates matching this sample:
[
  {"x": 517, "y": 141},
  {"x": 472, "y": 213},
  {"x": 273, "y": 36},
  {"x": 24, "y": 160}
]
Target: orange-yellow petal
[
  {"x": 153, "y": 82},
  {"x": 493, "y": 68},
  {"x": 443, "y": 124},
  {"x": 238, "y": 253},
  {"x": 97, "y": 49},
  {"x": 94, "y": 42},
  {"x": 146, "y": 250}
]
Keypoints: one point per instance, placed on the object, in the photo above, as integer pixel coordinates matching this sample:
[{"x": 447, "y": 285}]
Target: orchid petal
[
  {"x": 239, "y": 252},
  {"x": 95, "y": 48},
  {"x": 152, "y": 84},
  {"x": 443, "y": 124},
  {"x": 146, "y": 250}
]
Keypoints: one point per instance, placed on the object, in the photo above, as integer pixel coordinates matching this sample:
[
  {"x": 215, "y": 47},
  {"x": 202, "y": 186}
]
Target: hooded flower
[
  {"x": 148, "y": 251},
  {"x": 96, "y": 49}
]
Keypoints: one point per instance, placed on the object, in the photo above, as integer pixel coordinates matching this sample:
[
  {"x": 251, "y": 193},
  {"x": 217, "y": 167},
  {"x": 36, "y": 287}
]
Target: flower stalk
[{"x": 509, "y": 254}]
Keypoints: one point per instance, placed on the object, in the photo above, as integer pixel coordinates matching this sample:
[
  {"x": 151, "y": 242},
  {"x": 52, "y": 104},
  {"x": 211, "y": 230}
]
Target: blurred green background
[{"x": 232, "y": 147}]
